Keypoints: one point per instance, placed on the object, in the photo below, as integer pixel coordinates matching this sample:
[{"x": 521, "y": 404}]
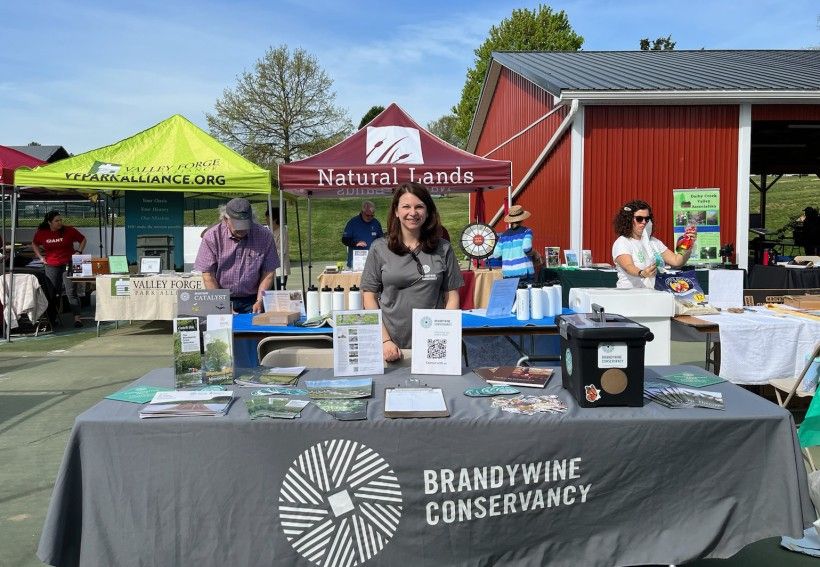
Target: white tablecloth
[
  {"x": 760, "y": 345},
  {"x": 149, "y": 298}
]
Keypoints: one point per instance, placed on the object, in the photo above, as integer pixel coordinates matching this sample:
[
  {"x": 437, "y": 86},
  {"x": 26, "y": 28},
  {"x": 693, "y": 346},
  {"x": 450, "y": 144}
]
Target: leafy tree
[
  {"x": 217, "y": 355},
  {"x": 540, "y": 29},
  {"x": 370, "y": 115},
  {"x": 445, "y": 128},
  {"x": 283, "y": 110},
  {"x": 660, "y": 44}
]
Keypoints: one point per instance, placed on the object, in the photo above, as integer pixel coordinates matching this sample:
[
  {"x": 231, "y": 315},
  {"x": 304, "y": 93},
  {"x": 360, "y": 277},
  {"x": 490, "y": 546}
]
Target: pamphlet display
[
  {"x": 436, "y": 342},
  {"x": 81, "y": 266},
  {"x": 284, "y": 300},
  {"x": 357, "y": 343},
  {"x": 586, "y": 258},
  {"x": 571, "y": 257},
  {"x": 150, "y": 265},
  {"x": 118, "y": 264},
  {"x": 359, "y": 259},
  {"x": 187, "y": 352},
  {"x": 502, "y": 297},
  {"x": 553, "y": 256}
]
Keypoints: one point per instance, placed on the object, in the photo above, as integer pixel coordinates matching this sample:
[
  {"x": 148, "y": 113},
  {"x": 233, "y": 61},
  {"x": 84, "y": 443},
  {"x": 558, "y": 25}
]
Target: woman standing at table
[
  {"x": 54, "y": 244},
  {"x": 634, "y": 254},
  {"x": 411, "y": 267}
]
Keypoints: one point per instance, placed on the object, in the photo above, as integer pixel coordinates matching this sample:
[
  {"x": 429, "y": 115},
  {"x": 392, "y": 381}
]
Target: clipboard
[{"x": 414, "y": 402}]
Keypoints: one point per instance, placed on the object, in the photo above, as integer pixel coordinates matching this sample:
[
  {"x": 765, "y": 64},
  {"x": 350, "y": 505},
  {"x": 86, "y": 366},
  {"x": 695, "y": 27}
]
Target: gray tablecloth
[{"x": 617, "y": 486}]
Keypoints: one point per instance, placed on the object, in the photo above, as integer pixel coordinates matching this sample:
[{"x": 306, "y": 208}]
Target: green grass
[{"x": 786, "y": 199}]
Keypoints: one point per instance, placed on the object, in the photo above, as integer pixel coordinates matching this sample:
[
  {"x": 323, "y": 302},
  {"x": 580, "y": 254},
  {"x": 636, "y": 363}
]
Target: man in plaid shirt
[{"x": 239, "y": 255}]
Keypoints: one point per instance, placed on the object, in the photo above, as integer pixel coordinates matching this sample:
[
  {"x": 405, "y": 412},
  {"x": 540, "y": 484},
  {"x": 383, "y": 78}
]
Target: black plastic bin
[{"x": 602, "y": 361}]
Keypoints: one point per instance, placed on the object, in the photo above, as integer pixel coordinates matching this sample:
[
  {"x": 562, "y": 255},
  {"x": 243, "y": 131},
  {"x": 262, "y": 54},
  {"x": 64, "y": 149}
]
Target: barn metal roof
[{"x": 727, "y": 70}]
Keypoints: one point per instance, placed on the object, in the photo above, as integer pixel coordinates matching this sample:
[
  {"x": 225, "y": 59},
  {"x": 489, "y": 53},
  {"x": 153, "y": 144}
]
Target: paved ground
[{"x": 46, "y": 382}]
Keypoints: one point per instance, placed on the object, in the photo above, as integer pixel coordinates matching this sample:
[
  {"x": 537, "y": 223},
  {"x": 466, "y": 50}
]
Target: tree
[
  {"x": 445, "y": 128},
  {"x": 660, "y": 44},
  {"x": 541, "y": 29},
  {"x": 282, "y": 111},
  {"x": 370, "y": 115}
]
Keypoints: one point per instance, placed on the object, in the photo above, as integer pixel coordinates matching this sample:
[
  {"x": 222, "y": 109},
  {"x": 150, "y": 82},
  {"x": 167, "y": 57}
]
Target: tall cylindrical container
[
  {"x": 338, "y": 298},
  {"x": 558, "y": 299},
  {"x": 546, "y": 297},
  {"x": 354, "y": 298},
  {"x": 312, "y": 304},
  {"x": 522, "y": 303},
  {"x": 326, "y": 301},
  {"x": 536, "y": 303}
]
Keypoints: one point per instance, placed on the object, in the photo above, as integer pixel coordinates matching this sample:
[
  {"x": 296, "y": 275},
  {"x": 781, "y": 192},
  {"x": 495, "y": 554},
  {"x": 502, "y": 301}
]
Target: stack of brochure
[
  {"x": 188, "y": 403},
  {"x": 270, "y": 376},
  {"x": 677, "y": 398},
  {"x": 273, "y": 407}
]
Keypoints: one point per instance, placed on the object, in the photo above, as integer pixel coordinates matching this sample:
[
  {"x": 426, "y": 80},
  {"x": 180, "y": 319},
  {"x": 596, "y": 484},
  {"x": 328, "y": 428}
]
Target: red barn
[{"x": 587, "y": 131}]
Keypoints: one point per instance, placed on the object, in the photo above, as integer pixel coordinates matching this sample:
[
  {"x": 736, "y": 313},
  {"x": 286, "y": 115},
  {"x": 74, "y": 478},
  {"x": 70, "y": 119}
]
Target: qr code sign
[{"x": 436, "y": 348}]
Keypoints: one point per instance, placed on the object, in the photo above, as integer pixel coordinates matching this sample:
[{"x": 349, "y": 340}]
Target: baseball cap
[{"x": 239, "y": 211}]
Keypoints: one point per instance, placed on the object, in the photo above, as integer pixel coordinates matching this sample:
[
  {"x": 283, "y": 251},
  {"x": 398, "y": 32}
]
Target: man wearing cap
[
  {"x": 361, "y": 231},
  {"x": 514, "y": 246},
  {"x": 239, "y": 255}
]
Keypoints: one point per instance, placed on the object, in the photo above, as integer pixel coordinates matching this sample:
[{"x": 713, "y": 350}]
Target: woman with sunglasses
[
  {"x": 634, "y": 259},
  {"x": 411, "y": 267}
]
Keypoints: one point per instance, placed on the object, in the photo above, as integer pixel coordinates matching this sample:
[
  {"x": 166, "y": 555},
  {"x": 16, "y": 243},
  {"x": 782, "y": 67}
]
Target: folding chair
[
  {"x": 313, "y": 351},
  {"x": 792, "y": 386}
]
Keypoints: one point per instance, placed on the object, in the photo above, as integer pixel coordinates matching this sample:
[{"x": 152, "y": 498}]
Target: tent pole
[
  {"x": 310, "y": 240},
  {"x": 281, "y": 230},
  {"x": 5, "y": 255},
  {"x": 99, "y": 225},
  {"x": 301, "y": 257},
  {"x": 10, "y": 287},
  {"x": 113, "y": 224}
]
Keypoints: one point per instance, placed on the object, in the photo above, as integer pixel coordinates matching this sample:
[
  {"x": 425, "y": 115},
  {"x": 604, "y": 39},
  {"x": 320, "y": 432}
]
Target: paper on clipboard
[{"x": 415, "y": 402}]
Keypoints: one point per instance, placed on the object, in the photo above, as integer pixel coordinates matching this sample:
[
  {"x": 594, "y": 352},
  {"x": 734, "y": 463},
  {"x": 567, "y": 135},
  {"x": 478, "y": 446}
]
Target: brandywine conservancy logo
[
  {"x": 393, "y": 144},
  {"x": 340, "y": 503}
]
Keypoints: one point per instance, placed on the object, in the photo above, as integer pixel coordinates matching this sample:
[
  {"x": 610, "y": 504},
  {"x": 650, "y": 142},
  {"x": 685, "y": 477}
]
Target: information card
[
  {"x": 357, "y": 343},
  {"x": 436, "y": 341}
]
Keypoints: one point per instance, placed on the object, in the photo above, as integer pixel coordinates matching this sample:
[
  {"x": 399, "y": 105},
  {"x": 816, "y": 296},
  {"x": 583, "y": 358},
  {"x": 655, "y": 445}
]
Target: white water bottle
[
  {"x": 326, "y": 301},
  {"x": 522, "y": 303},
  {"x": 546, "y": 297},
  {"x": 312, "y": 307},
  {"x": 354, "y": 298},
  {"x": 536, "y": 305},
  {"x": 338, "y": 298},
  {"x": 558, "y": 299}
]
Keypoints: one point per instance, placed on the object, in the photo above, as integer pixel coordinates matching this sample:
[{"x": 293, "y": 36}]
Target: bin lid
[{"x": 614, "y": 327}]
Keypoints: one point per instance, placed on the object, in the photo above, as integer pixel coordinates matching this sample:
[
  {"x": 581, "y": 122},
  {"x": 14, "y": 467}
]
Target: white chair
[
  {"x": 313, "y": 351},
  {"x": 791, "y": 386},
  {"x": 28, "y": 298}
]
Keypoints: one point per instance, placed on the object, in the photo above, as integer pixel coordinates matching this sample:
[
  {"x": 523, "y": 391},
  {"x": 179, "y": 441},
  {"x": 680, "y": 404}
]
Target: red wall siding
[
  {"x": 516, "y": 104},
  {"x": 644, "y": 152},
  {"x": 786, "y": 112}
]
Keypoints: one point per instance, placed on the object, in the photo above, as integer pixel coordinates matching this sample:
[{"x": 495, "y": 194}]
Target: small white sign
[
  {"x": 359, "y": 258},
  {"x": 357, "y": 343},
  {"x": 436, "y": 342},
  {"x": 150, "y": 265},
  {"x": 612, "y": 355},
  {"x": 284, "y": 300}
]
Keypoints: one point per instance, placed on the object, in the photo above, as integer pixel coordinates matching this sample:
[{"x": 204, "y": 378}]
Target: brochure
[
  {"x": 187, "y": 355},
  {"x": 502, "y": 297},
  {"x": 344, "y": 410},
  {"x": 489, "y": 391},
  {"x": 81, "y": 265},
  {"x": 268, "y": 376},
  {"x": 571, "y": 256},
  {"x": 436, "y": 342},
  {"x": 530, "y": 405},
  {"x": 553, "y": 256},
  {"x": 359, "y": 259},
  {"x": 357, "y": 343},
  {"x": 272, "y": 407},
  {"x": 137, "y": 394},
  {"x": 526, "y": 376},
  {"x": 217, "y": 362},
  {"x": 203, "y": 302},
  {"x": 284, "y": 300},
  {"x": 678, "y": 398},
  {"x": 188, "y": 403},
  {"x": 693, "y": 379},
  {"x": 339, "y": 388}
]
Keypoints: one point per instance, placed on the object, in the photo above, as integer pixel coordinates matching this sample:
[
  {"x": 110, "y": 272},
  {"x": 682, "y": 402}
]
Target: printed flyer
[{"x": 701, "y": 208}]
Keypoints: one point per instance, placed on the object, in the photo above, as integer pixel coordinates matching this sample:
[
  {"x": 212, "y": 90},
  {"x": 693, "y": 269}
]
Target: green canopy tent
[{"x": 174, "y": 155}]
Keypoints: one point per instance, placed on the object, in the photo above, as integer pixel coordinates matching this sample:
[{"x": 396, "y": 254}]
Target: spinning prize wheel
[{"x": 478, "y": 240}]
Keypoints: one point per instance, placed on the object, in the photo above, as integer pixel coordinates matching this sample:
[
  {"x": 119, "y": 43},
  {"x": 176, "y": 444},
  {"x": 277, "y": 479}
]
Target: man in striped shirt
[{"x": 239, "y": 255}]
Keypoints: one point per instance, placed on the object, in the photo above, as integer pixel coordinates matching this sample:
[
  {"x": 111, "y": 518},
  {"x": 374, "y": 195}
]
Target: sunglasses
[
  {"x": 419, "y": 267},
  {"x": 642, "y": 219}
]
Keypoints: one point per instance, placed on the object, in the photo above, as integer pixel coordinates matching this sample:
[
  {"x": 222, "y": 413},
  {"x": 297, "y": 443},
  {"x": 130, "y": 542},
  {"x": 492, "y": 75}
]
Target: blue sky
[{"x": 84, "y": 74}]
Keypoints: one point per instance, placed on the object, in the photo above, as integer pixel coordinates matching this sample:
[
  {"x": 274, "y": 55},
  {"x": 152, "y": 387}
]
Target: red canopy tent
[
  {"x": 12, "y": 159},
  {"x": 390, "y": 150}
]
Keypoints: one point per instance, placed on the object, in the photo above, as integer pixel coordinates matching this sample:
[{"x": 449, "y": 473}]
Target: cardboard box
[
  {"x": 99, "y": 266},
  {"x": 803, "y": 301},
  {"x": 276, "y": 318}
]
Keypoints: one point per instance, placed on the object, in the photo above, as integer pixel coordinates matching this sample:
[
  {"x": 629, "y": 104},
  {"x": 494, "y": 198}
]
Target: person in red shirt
[{"x": 54, "y": 244}]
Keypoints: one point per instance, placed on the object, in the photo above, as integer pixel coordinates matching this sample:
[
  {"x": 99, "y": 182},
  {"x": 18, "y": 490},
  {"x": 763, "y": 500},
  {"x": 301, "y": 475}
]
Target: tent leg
[
  {"x": 310, "y": 241},
  {"x": 301, "y": 256},
  {"x": 10, "y": 287}
]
